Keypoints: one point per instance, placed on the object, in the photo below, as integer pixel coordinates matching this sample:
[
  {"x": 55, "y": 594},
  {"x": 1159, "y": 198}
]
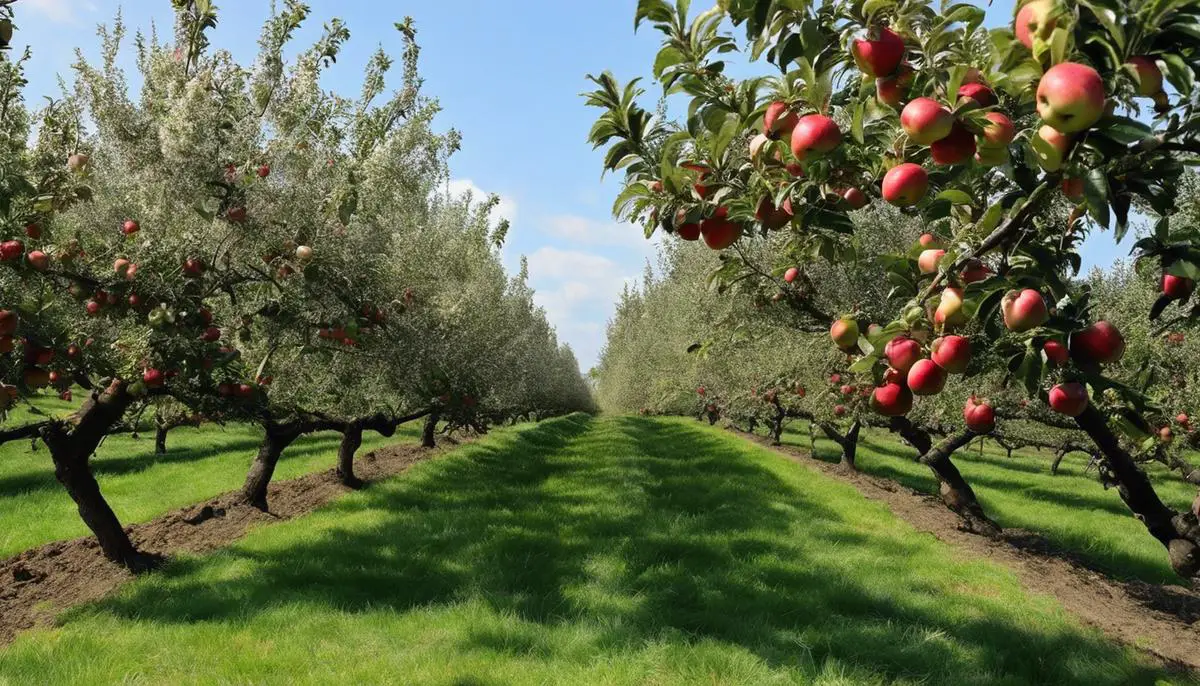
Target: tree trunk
[
  {"x": 160, "y": 440},
  {"x": 1179, "y": 532},
  {"x": 848, "y": 443},
  {"x": 953, "y": 489},
  {"x": 431, "y": 423},
  {"x": 71, "y": 451},
  {"x": 777, "y": 424},
  {"x": 1058, "y": 458},
  {"x": 277, "y": 439},
  {"x": 351, "y": 441}
]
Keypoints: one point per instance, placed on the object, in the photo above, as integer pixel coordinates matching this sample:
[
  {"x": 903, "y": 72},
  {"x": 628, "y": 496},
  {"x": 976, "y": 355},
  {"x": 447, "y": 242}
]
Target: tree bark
[
  {"x": 848, "y": 443},
  {"x": 431, "y": 422},
  {"x": 777, "y": 424},
  {"x": 1179, "y": 532},
  {"x": 351, "y": 441},
  {"x": 953, "y": 489},
  {"x": 278, "y": 438},
  {"x": 160, "y": 440},
  {"x": 71, "y": 449}
]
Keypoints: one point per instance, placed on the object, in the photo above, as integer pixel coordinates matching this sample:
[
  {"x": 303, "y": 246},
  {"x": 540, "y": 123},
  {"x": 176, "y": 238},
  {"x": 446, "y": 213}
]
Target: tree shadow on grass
[{"x": 652, "y": 530}]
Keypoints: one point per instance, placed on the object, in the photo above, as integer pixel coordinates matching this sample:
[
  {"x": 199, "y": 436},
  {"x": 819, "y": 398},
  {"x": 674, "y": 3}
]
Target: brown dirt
[
  {"x": 38, "y": 584},
  {"x": 1159, "y": 620}
]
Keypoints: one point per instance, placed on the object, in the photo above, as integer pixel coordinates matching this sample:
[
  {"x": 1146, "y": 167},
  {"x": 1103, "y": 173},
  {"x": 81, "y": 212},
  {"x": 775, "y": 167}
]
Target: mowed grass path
[
  {"x": 582, "y": 551},
  {"x": 199, "y": 463},
  {"x": 1072, "y": 509}
]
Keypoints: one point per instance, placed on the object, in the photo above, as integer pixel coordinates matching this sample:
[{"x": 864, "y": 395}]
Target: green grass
[
  {"x": 582, "y": 551},
  {"x": 1071, "y": 510},
  {"x": 199, "y": 463}
]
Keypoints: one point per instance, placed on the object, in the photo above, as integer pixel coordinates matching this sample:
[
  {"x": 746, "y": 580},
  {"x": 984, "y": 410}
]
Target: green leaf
[
  {"x": 667, "y": 57},
  {"x": 864, "y": 364},
  {"x": 1179, "y": 74},
  {"x": 856, "y": 125},
  {"x": 955, "y": 196},
  {"x": 1095, "y": 194}
]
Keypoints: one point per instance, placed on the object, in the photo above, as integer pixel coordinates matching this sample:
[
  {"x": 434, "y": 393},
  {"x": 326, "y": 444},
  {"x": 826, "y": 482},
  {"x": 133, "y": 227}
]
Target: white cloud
[
  {"x": 586, "y": 231},
  {"x": 506, "y": 209},
  {"x": 62, "y": 11}
]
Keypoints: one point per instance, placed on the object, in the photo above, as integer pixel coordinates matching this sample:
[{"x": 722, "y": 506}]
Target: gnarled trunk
[
  {"x": 71, "y": 450},
  {"x": 848, "y": 443},
  {"x": 953, "y": 489},
  {"x": 160, "y": 440},
  {"x": 278, "y": 438},
  {"x": 431, "y": 423},
  {"x": 351, "y": 441},
  {"x": 1179, "y": 532},
  {"x": 777, "y": 424}
]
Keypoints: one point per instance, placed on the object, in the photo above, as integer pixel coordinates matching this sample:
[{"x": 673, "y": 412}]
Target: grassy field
[
  {"x": 582, "y": 551},
  {"x": 140, "y": 485},
  {"x": 1072, "y": 509}
]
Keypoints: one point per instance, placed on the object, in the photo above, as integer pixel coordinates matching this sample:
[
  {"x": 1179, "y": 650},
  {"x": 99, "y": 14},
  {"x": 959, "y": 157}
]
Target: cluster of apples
[{"x": 1098, "y": 344}]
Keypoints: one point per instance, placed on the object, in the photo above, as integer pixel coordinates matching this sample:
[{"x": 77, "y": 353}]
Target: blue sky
[{"x": 508, "y": 74}]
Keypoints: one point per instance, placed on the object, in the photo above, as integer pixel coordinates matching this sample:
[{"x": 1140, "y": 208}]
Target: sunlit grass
[
  {"x": 1072, "y": 510},
  {"x": 199, "y": 463},
  {"x": 583, "y": 551}
]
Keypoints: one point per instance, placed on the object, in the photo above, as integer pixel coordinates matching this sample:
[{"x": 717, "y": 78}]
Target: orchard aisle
[{"x": 583, "y": 550}]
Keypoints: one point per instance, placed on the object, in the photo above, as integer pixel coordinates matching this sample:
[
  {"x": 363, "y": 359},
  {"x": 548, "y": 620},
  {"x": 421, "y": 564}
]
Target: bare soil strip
[
  {"x": 38, "y": 584},
  {"x": 1159, "y": 620}
]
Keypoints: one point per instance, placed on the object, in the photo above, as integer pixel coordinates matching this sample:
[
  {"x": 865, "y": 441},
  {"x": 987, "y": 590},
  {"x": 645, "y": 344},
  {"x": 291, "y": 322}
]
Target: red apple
[
  {"x": 54, "y": 376},
  {"x": 998, "y": 132},
  {"x": 979, "y": 415},
  {"x": 791, "y": 274},
  {"x": 779, "y": 120},
  {"x": 978, "y": 93},
  {"x": 814, "y": 133},
  {"x": 926, "y": 378},
  {"x": 905, "y": 184},
  {"x": 891, "y": 90},
  {"x": 120, "y": 266},
  {"x": 835, "y": 378},
  {"x": 757, "y": 144},
  {"x": 11, "y": 250},
  {"x": 237, "y": 215},
  {"x": 1069, "y": 398},
  {"x": 1178, "y": 287},
  {"x": 1182, "y": 419},
  {"x": 1070, "y": 97},
  {"x": 38, "y": 260},
  {"x": 211, "y": 335},
  {"x": 847, "y": 389},
  {"x": 719, "y": 233},
  {"x": 892, "y": 400},
  {"x": 1073, "y": 188},
  {"x": 1100, "y": 343},
  {"x": 1165, "y": 434},
  {"x": 1024, "y": 310},
  {"x": 794, "y": 169},
  {"x": 949, "y": 314},
  {"x": 245, "y": 390},
  {"x": 8, "y": 322},
  {"x": 801, "y": 391},
  {"x": 1056, "y": 352},
  {"x": 952, "y": 353},
  {"x": 73, "y": 352},
  {"x": 152, "y": 377},
  {"x": 1053, "y": 153},
  {"x": 93, "y": 307},
  {"x": 77, "y": 162},
  {"x": 193, "y": 267},
  {"x": 1033, "y": 20},
  {"x": 688, "y": 231},
  {"x": 772, "y": 217},
  {"x": 928, "y": 240},
  {"x": 928, "y": 260},
  {"x": 854, "y": 198},
  {"x": 33, "y": 230},
  {"x": 902, "y": 353},
  {"x": 955, "y": 148},
  {"x": 303, "y": 253},
  {"x": 130, "y": 227},
  {"x": 844, "y": 333},
  {"x": 1149, "y": 76},
  {"x": 975, "y": 271},
  {"x": 879, "y": 57},
  {"x": 264, "y": 171},
  {"x": 135, "y": 300},
  {"x": 839, "y": 410},
  {"x": 926, "y": 121}
]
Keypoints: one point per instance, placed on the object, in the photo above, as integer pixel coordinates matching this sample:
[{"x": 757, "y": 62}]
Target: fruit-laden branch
[
  {"x": 800, "y": 302},
  {"x": 1178, "y": 531},
  {"x": 953, "y": 489}
]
